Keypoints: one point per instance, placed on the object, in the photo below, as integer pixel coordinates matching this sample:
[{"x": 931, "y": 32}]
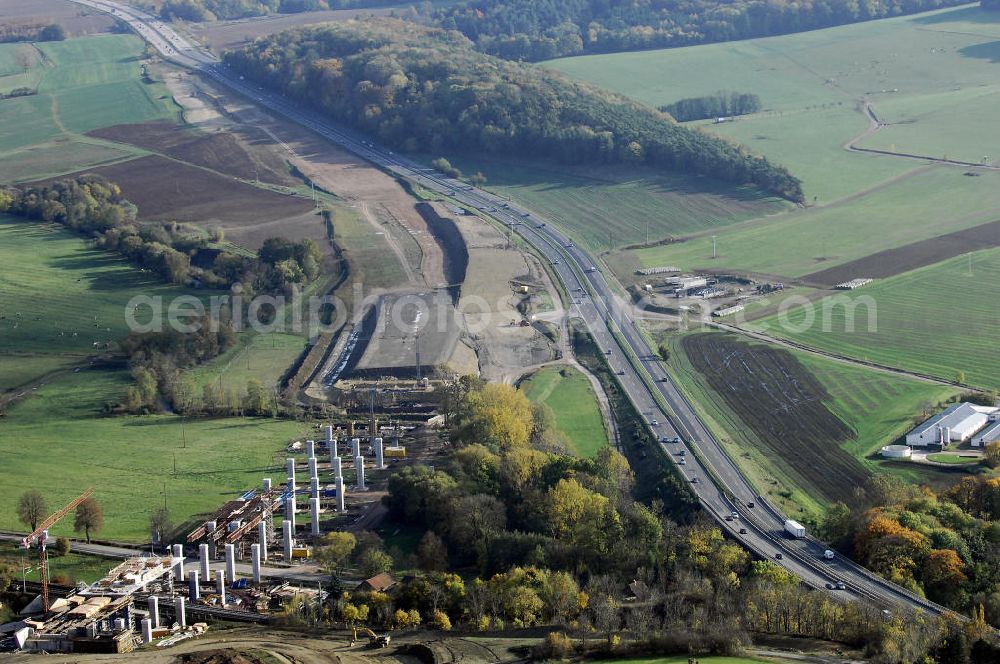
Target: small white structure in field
[{"x": 896, "y": 452}]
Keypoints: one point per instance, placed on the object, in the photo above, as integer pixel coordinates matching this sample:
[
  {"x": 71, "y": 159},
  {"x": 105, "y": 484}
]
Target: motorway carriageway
[{"x": 720, "y": 486}]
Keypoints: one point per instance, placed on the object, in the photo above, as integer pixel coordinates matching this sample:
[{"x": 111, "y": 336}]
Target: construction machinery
[
  {"x": 374, "y": 640},
  {"x": 39, "y": 537}
]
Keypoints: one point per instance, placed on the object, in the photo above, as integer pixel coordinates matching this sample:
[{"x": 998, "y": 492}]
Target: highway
[{"x": 719, "y": 484}]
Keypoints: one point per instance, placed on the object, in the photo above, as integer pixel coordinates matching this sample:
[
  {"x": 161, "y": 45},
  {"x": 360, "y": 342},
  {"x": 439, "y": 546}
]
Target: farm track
[{"x": 875, "y": 125}]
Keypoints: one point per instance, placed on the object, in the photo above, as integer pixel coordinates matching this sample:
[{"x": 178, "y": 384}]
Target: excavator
[{"x": 374, "y": 640}]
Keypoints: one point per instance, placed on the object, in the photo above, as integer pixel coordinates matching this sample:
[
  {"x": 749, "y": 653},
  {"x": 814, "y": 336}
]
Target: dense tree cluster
[
  {"x": 211, "y": 10},
  {"x": 15, "y": 32},
  {"x": 95, "y": 207},
  {"x": 720, "y": 105},
  {"x": 944, "y": 546},
  {"x": 427, "y": 90},
  {"x": 559, "y": 540},
  {"x": 543, "y": 29}
]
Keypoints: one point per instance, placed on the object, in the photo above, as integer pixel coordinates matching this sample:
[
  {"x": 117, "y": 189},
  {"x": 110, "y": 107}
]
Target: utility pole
[
  {"x": 417, "y": 339},
  {"x": 715, "y": 253}
]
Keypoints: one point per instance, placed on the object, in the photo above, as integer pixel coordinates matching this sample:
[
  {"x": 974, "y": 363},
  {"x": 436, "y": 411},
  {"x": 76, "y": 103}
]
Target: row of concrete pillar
[{"x": 153, "y": 621}]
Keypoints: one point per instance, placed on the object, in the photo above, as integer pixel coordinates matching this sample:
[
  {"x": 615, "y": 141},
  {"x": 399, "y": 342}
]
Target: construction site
[{"x": 247, "y": 560}]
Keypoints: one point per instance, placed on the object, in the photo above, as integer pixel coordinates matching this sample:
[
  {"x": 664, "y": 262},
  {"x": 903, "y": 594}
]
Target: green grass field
[
  {"x": 940, "y": 320},
  {"x": 571, "y": 397},
  {"x": 810, "y": 82},
  {"x": 605, "y": 208},
  {"x": 953, "y": 459},
  {"x": 62, "y": 297},
  {"x": 877, "y": 407},
  {"x": 263, "y": 357},
  {"x": 59, "y": 443},
  {"x": 74, "y": 568},
  {"x": 83, "y": 84},
  {"x": 807, "y": 241}
]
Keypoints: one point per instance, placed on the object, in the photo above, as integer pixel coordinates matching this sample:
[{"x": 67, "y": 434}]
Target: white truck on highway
[{"x": 795, "y": 529}]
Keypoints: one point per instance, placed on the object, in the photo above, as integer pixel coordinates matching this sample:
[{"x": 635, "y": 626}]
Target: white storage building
[
  {"x": 990, "y": 434},
  {"x": 957, "y": 423}
]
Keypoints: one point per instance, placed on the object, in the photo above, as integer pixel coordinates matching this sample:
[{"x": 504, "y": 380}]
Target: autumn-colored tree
[
  {"x": 942, "y": 574},
  {"x": 992, "y": 454},
  {"x": 499, "y": 416},
  {"x": 889, "y": 548},
  {"x": 333, "y": 549},
  {"x": 582, "y": 516},
  {"x": 89, "y": 517},
  {"x": 561, "y": 595}
]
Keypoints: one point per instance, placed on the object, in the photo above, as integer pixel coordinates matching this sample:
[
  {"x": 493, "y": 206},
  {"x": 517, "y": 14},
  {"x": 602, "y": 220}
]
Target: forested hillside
[
  {"x": 426, "y": 90},
  {"x": 542, "y": 29}
]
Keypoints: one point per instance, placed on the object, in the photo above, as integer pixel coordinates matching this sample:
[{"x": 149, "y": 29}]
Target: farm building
[
  {"x": 853, "y": 284},
  {"x": 990, "y": 434},
  {"x": 957, "y": 423}
]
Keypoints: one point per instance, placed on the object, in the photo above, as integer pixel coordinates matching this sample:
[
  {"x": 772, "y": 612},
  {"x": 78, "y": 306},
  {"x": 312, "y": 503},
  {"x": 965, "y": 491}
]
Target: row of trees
[
  {"x": 177, "y": 253},
  {"x": 14, "y": 32},
  {"x": 32, "y": 509},
  {"x": 211, "y": 10},
  {"x": 720, "y": 105},
  {"x": 427, "y": 90},
  {"x": 543, "y": 29}
]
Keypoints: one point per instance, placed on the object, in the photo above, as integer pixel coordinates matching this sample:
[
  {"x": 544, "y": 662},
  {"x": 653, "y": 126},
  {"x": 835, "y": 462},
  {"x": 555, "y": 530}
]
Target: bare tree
[
  {"x": 89, "y": 517},
  {"x": 31, "y": 508},
  {"x": 159, "y": 525},
  {"x": 25, "y": 58}
]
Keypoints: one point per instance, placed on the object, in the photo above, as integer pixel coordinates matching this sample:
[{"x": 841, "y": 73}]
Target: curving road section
[{"x": 684, "y": 440}]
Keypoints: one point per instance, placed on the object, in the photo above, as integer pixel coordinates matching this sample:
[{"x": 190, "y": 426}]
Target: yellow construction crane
[
  {"x": 374, "y": 640},
  {"x": 39, "y": 536}
]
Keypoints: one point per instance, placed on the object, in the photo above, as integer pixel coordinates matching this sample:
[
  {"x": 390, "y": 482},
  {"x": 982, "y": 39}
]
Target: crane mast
[{"x": 40, "y": 534}]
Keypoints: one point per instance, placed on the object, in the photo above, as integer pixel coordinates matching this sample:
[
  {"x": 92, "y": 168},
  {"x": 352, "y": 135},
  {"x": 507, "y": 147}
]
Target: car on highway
[
  {"x": 841, "y": 585},
  {"x": 682, "y": 452},
  {"x": 682, "y": 462},
  {"x": 655, "y": 423},
  {"x": 568, "y": 245},
  {"x": 743, "y": 531},
  {"x": 555, "y": 262},
  {"x": 694, "y": 480},
  {"x": 735, "y": 515},
  {"x": 528, "y": 214},
  {"x": 750, "y": 505},
  {"x": 778, "y": 556},
  {"x": 829, "y": 586}
]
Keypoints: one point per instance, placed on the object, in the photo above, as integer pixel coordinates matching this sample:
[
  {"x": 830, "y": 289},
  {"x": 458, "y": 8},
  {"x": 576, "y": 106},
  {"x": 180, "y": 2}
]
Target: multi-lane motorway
[{"x": 720, "y": 486}]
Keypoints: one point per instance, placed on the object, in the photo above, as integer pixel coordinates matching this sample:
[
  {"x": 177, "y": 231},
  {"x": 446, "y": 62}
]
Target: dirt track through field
[{"x": 783, "y": 404}]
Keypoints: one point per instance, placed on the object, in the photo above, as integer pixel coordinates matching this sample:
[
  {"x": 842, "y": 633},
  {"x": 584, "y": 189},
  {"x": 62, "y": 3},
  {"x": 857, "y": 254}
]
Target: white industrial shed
[
  {"x": 957, "y": 423},
  {"x": 990, "y": 434}
]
